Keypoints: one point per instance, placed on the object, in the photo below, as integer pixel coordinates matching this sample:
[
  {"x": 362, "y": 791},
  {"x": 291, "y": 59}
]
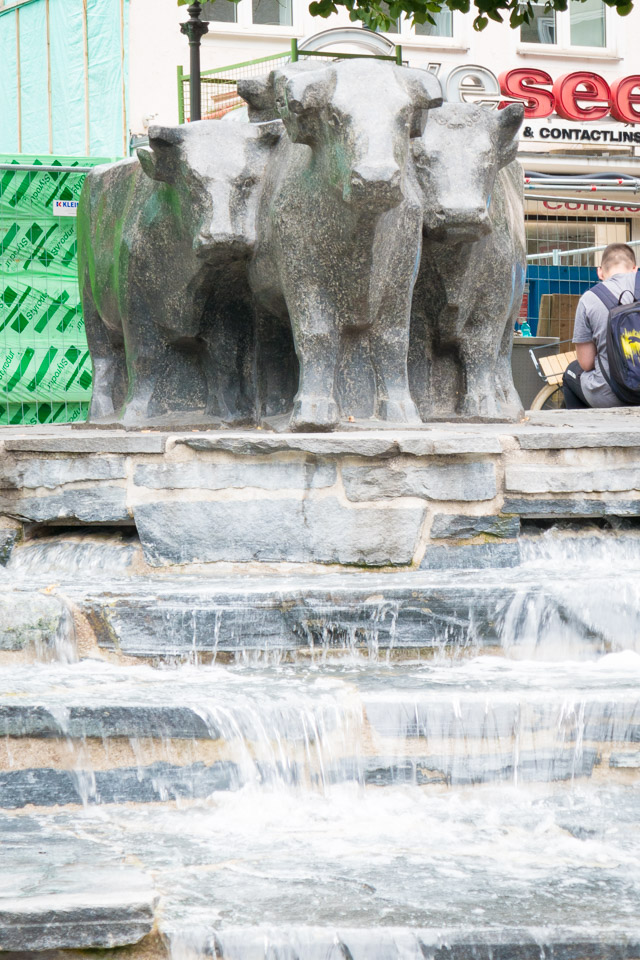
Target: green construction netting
[{"x": 45, "y": 367}]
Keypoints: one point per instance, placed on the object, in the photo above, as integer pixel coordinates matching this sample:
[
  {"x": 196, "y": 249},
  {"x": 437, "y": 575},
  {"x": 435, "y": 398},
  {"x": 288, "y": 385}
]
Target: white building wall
[{"x": 157, "y": 47}]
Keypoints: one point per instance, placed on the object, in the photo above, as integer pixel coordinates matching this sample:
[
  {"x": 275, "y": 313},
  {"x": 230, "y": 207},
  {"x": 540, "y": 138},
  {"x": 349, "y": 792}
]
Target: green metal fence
[
  {"x": 45, "y": 367},
  {"x": 218, "y": 88}
]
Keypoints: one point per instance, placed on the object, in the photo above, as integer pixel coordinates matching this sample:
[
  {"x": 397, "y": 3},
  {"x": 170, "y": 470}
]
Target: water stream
[{"x": 379, "y": 805}]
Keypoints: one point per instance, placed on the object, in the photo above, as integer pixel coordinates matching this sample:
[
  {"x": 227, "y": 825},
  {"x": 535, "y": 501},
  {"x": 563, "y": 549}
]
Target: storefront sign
[
  {"x": 607, "y": 133},
  {"x": 578, "y": 96},
  {"x": 577, "y": 206}
]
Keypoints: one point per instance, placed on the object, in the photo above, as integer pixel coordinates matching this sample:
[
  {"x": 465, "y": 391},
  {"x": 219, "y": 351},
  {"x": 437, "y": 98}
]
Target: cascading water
[{"x": 373, "y": 792}]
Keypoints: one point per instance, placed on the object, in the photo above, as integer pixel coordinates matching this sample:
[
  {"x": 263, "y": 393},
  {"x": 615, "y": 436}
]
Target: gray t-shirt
[{"x": 591, "y": 324}]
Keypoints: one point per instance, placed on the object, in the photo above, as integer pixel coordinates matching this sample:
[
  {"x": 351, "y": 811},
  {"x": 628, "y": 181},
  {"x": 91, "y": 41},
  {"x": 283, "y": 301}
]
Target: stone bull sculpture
[
  {"x": 164, "y": 241},
  {"x": 472, "y": 270},
  {"x": 340, "y": 225},
  {"x": 226, "y": 245}
]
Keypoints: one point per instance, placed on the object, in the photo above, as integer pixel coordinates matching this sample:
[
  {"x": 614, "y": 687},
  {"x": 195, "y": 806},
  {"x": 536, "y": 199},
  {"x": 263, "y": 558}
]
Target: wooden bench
[{"x": 554, "y": 365}]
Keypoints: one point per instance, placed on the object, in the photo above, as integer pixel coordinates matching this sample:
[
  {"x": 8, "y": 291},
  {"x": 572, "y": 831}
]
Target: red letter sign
[
  {"x": 567, "y": 95},
  {"x": 622, "y": 92},
  {"x": 520, "y": 84}
]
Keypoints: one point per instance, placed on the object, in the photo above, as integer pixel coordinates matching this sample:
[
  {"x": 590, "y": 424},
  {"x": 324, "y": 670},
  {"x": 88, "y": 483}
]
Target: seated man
[{"x": 584, "y": 384}]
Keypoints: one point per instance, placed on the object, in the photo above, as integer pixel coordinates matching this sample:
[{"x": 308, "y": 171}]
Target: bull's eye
[
  {"x": 247, "y": 184},
  {"x": 334, "y": 120}
]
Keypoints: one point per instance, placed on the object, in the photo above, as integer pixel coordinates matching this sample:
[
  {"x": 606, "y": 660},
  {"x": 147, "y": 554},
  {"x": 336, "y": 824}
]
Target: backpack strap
[
  {"x": 603, "y": 293},
  {"x": 636, "y": 292}
]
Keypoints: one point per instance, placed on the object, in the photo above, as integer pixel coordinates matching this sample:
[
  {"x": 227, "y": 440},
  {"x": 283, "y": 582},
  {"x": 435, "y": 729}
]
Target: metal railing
[{"x": 218, "y": 88}]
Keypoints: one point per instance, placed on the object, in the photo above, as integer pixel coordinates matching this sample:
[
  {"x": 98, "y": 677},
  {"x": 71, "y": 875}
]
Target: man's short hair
[{"x": 618, "y": 253}]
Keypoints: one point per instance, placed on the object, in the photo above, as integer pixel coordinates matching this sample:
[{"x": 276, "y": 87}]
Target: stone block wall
[{"x": 445, "y": 497}]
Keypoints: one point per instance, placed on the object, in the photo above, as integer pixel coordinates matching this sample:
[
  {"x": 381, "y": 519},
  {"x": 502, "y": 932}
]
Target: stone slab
[
  {"x": 30, "y": 621},
  {"x": 468, "y": 481},
  {"x": 97, "y": 505},
  {"x": 457, "y": 526},
  {"x": 282, "y": 475},
  {"x": 53, "y": 472},
  {"x": 541, "y": 509},
  {"x": 532, "y": 766},
  {"x": 448, "y": 444},
  {"x": 74, "y": 907},
  {"x": 319, "y": 444},
  {"x": 575, "y": 439},
  {"x": 320, "y": 531},
  {"x": 105, "y": 721},
  {"x": 546, "y": 478},
  {"x": 478, "y": 556},
  {"x": 353, "y": 611},
  {"x": 90, "y": 442},
  {"x": 46, "y": 787}
]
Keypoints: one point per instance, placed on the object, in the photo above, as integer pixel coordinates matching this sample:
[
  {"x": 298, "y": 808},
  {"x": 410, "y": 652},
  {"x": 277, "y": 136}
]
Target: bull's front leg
[
  {"x": 316, "y": 339},
  {"x": 389, "y": 346},
  {"x": 477, "y": 355}
]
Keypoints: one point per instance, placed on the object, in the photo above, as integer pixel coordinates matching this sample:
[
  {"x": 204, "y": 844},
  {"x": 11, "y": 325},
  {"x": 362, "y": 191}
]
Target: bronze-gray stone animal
[
  {"x": 472, "y": 270},
  {"x": 164, "y": 241},
  {"x": 340, "y": 225}
]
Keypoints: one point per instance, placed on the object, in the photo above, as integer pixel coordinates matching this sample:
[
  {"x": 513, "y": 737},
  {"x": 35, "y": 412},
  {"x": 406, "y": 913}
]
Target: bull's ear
[
  {"x": 424, "y": 87},
  {"x": 270, "y": 132},
  {"x": 158, "y": 160},
  {"x": 301, "y": 96},
  {"x": 260, "y": 96},
  {"x": 509, "y": 122},
  {"x": 426, "y": 93}
]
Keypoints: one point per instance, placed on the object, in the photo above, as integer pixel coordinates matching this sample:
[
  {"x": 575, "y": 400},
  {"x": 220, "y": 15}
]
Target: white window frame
[
  {"x": 407, "y": 37},
  {"x": 563, "y": 48},
  {"x": 244, "y": 24}
]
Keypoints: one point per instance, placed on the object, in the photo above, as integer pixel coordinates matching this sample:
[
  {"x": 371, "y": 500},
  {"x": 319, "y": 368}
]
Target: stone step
[
  {"x": 397, "y": 873},
  {"x": 93, "y": 732},
  {"x": 416, "y": 613}
]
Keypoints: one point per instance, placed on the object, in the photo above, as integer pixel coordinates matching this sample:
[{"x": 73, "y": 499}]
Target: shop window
[{"x": 583, "y": 24}]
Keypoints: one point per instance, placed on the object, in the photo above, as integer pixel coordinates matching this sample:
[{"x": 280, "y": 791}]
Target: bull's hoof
[
  {"x": 313, "y": 414},
  {"x": 399, "y": 411}
]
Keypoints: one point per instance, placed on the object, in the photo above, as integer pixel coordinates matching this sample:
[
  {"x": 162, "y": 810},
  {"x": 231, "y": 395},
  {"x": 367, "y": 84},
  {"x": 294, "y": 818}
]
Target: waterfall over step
[{"x": 415, "y": 764}]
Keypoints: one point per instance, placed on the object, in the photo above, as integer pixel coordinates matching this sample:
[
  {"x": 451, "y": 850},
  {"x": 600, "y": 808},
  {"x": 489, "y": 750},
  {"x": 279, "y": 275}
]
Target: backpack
[{"x": 623, "y": 343}]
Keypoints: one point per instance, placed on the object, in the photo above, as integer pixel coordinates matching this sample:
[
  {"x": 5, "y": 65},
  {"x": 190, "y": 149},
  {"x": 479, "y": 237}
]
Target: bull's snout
[
  {"x": 215, "y": 245},
  {"x": 378, "y": 185},
  {"x": 461, "y": 225}
]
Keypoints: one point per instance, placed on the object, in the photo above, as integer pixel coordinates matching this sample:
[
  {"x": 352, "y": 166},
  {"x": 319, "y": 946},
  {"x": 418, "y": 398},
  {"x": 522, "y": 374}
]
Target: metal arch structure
[{"x": 360, "y": 36}]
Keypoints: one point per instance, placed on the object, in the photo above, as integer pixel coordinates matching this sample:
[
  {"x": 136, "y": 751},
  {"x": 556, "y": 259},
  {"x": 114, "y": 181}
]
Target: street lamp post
[{"x": 194, "y": 28}]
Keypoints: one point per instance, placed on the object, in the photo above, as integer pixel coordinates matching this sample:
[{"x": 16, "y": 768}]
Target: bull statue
[
  {"x": 472, "y": 271},
  {"x": 340, "y": 224},
  {"x": 163, "y": 246}
]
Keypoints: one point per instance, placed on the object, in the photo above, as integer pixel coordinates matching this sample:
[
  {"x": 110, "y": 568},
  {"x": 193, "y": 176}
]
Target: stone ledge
[
  {"x": 462, "y": 527},
  {"x": 91, "y": 442},
  {"x": 569, "y": 440}
]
